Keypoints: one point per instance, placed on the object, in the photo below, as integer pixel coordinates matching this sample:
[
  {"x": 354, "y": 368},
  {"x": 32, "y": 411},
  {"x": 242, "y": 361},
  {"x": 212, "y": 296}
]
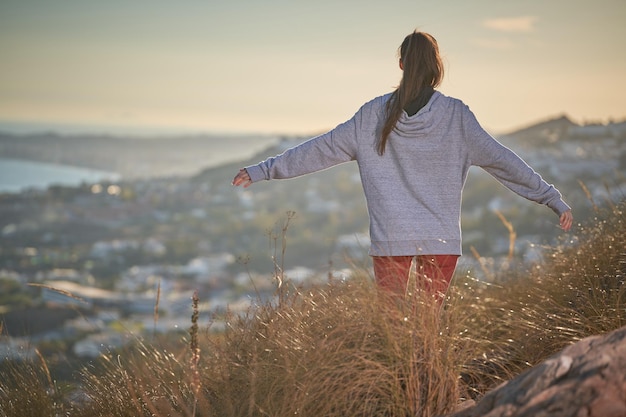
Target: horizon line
[{"x": 138, "y": 131}]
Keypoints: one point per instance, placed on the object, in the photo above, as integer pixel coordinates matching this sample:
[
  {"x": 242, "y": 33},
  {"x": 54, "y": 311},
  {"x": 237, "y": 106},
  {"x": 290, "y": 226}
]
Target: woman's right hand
[{"x": 566, "y": 220}]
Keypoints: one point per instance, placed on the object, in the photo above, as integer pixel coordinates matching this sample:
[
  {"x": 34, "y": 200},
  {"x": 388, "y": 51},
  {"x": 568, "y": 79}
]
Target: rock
[{"x": 586, "y": 379}]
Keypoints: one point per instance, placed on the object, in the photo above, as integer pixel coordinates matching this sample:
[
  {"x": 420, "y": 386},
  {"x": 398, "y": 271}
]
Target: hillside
[{"x": 342, "y": 348}]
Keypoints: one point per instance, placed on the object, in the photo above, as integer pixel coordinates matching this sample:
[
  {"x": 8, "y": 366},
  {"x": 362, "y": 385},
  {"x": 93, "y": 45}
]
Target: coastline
[{"x": 20, "y": 175}]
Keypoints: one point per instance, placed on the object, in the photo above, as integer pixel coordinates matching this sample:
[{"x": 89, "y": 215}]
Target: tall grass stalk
[
  {"x": 278, "y": 258},
  {"x": 156, "y": 309},
  {"x": 195, "y": 352}
]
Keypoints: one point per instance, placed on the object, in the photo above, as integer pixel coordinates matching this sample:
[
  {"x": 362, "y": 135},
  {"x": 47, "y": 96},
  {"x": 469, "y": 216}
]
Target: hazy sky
[{"x": 288, "y": 66}]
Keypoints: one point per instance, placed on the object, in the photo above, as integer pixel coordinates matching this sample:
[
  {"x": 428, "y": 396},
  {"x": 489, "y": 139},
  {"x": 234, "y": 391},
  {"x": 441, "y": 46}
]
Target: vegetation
[{"x": 343, "y": 349}]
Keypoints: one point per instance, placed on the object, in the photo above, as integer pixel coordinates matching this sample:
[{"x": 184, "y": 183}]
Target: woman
[{"x": 414, "y": 148}]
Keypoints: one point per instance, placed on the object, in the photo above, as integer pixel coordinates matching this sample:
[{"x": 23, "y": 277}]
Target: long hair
[{"x": 422, "y": 72}]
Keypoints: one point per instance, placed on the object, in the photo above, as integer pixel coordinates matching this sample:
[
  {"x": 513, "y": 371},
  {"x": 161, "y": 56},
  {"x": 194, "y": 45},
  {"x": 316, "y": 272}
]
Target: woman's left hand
[{"x": 242, "y": 178}]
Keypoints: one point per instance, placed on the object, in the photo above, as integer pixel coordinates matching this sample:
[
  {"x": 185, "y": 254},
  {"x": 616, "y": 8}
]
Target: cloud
[{"x": 511, "y": 24}]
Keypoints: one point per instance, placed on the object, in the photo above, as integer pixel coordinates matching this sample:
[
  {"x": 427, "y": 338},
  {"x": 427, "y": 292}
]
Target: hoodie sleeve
[
  {"x": 316, "y": 154},
  {"x": 507, "y": 167}
]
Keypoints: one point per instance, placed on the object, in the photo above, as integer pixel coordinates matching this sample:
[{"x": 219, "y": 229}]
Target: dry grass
[
  {"x": 576, "y": 292},
  {"x": 28, "y": 390},
  {"x": 344, "y": 350},
  {"x": 141, "y": 381},
  {"x": 337, "y": 351}
]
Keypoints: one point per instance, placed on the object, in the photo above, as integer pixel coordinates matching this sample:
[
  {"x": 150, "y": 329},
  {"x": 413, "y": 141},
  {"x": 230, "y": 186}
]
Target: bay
[{"x": 18, "y": 175}]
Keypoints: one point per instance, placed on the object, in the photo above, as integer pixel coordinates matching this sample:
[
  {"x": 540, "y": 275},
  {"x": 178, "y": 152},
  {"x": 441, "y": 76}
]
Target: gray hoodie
[{"x": 413, "y": 191}]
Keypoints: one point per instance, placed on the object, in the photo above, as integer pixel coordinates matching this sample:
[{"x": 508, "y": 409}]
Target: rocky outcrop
[{"x": 587, "y": 379}]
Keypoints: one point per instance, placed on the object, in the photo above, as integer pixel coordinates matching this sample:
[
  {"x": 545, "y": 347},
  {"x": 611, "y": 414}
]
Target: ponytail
[{"x": 422, "y": 72}]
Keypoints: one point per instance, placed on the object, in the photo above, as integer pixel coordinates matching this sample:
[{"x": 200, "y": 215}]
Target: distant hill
[
  {"x": 560, "y": 128},
  {"x": 548, "y": 130},
  {"x": 133, "y": 157}
]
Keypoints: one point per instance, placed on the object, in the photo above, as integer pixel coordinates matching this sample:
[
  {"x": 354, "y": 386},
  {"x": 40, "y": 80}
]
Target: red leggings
[{"x": 434, "y": 272}]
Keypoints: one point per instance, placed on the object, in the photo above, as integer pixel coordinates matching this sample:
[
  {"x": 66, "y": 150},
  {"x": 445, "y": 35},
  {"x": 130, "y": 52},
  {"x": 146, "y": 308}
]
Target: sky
[{"x": 300, "y": 67}]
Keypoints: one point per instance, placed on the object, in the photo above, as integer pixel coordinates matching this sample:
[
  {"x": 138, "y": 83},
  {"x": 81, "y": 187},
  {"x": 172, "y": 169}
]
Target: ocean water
[{"x": 19, "y": 175}]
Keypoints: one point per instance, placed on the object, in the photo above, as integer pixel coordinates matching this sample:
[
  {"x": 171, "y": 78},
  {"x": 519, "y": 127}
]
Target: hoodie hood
[{"x": 422, "y": 122}]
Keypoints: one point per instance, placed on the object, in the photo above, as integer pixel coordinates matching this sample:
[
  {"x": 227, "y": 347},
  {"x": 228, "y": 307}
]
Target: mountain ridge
[{"x": 191, "y": 154}]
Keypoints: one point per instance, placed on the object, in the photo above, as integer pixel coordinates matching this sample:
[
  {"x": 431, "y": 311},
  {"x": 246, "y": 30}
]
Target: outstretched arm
[
  {"x": 242, "y": 178},
  {"x": 510, "y": 170}
]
